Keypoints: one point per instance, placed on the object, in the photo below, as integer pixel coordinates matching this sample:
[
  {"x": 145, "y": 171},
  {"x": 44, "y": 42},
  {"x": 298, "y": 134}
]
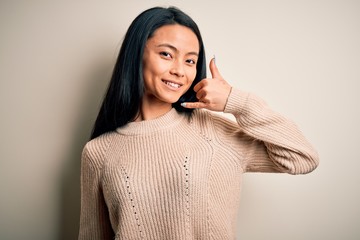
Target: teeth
[{"x": 174, "y": 85}]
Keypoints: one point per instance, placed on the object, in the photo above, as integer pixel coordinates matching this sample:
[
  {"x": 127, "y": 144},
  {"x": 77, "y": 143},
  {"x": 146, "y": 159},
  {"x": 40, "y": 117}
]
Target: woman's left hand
[{"x": 212, "y": 93}]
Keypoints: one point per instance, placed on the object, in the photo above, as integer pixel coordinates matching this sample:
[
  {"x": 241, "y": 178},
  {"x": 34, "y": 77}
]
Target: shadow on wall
[{"x": 94, "y": 90}]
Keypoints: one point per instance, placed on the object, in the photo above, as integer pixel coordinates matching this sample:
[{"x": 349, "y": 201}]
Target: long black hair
[{"x": 125, "y": 91}]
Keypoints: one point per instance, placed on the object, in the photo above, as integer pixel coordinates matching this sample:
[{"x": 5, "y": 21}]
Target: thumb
[{"x": 214, "y": 70}]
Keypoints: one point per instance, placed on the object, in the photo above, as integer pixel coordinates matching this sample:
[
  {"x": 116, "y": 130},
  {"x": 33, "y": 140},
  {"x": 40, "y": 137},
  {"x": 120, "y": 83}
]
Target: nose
[{"x": 177, "y": 69}]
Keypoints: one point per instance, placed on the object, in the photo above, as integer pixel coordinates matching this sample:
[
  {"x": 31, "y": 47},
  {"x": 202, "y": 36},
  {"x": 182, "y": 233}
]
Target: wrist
[{"x": 236, "y": 101}]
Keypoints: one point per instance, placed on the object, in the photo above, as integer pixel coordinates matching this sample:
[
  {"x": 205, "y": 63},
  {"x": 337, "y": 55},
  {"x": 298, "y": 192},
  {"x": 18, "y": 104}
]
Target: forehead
[{"x": 181, "y": 37}]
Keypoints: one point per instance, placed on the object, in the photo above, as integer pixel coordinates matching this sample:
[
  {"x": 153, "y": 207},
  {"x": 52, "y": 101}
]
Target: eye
[
  {"x": 165, "y": 54},
  {"x": 191, "y": 61}
]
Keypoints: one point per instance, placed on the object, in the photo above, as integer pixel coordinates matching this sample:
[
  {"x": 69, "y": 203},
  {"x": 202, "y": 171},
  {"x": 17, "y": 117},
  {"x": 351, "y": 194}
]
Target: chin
[{"x": 170, "y": 99}]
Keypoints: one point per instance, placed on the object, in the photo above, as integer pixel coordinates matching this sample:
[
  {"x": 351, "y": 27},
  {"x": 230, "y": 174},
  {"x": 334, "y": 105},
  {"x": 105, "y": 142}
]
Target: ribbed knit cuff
[{"x": 236, "y": 101}]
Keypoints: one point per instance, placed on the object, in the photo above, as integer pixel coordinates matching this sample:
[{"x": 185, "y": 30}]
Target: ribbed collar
[{"x": 165, "y": 121}]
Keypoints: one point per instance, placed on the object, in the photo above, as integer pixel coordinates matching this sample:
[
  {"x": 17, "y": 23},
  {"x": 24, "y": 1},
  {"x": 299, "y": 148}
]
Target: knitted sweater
[{"x": 176, "y": 177}]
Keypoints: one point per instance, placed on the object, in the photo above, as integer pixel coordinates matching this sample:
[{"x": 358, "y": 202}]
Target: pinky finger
[{"x": 194, "y": 105}]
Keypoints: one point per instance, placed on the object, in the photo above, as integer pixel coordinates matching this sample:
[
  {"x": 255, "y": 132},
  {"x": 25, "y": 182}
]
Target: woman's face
[{"x": 169, "y": 63}]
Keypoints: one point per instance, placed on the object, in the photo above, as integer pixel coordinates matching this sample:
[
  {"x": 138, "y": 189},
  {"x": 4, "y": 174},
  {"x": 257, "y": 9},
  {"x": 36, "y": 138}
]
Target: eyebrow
[{"x": 175, "y": 49}]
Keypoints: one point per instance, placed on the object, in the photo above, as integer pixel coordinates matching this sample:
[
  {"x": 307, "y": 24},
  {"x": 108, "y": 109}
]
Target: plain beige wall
[{"x": 302, "y": 57}]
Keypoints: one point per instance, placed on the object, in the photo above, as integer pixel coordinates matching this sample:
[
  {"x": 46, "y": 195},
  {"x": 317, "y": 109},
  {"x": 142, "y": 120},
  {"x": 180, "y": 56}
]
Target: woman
[{"x": 158, "y": 165}]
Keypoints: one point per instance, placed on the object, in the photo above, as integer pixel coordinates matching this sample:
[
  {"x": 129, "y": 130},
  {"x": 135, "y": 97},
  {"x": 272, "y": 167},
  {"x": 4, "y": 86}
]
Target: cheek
[
  {"x": 151, "y": 75},
  {"x": 192, "y": 75},
  {"x": 158, "y": 70},
  {"x": 153, "y": 67},
  {"x": 146, "y": 76}
]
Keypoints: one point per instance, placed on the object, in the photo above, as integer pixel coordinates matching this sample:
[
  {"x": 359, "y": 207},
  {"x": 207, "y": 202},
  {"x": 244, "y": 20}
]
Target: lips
[{"x": 172, "y": 84}]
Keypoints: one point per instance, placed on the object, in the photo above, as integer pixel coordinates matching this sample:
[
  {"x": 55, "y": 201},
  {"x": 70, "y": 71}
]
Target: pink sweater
[{"x": 180, "y": 178}]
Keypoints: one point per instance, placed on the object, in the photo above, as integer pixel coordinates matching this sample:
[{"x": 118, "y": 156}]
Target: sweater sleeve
[
  {"x": 94, "y": 217},
  {"x": 268, "y": 142}
]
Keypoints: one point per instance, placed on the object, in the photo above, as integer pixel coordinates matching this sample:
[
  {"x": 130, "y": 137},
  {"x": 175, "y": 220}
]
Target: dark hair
[{"x": 125, "y": 91}]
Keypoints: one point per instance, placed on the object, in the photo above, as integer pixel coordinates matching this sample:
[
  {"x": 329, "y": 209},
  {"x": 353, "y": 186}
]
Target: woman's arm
[
  {"x": 94, "y": 217},
  {"x": 268, "y": 141}
]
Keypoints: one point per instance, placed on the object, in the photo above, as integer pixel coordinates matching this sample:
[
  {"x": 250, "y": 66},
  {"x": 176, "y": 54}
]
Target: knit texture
[{"x": 180, "y": 178}]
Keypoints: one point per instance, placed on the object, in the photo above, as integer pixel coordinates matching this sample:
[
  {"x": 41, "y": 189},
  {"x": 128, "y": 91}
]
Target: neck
[{"x": 152, "y": 109}]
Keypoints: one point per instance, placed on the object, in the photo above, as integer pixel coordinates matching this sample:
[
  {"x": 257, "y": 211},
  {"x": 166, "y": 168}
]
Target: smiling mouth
[{"x": 172, "y": 84}]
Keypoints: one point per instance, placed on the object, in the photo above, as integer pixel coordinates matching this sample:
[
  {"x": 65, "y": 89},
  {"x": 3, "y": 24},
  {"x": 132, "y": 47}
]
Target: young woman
[{"x": 159, "y": 166}]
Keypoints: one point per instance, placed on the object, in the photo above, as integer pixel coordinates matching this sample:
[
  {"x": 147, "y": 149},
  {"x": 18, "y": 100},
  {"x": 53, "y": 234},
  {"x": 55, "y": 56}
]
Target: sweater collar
[{"x": 168, "y": 120}]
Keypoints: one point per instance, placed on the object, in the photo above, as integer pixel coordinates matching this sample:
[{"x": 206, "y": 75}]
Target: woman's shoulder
[
  {"x": 206, "y": 117},
  {"x": 95, "y": 150},
  {"x": 211, "y": 121},
  {"x": 201, "y": 115}
]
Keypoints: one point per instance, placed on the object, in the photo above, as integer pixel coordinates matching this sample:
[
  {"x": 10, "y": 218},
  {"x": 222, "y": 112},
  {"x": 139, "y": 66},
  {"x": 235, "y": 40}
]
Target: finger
[
  {"x": 194, "y": 105},
  {"x": 200, "y": 94},
  {"x": 200, "y": 85},
  {"x": 214, "y": 70}
]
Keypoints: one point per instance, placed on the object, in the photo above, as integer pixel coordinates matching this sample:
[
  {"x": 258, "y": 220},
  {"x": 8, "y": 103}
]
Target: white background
[{"x": 302, "y": 57}]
